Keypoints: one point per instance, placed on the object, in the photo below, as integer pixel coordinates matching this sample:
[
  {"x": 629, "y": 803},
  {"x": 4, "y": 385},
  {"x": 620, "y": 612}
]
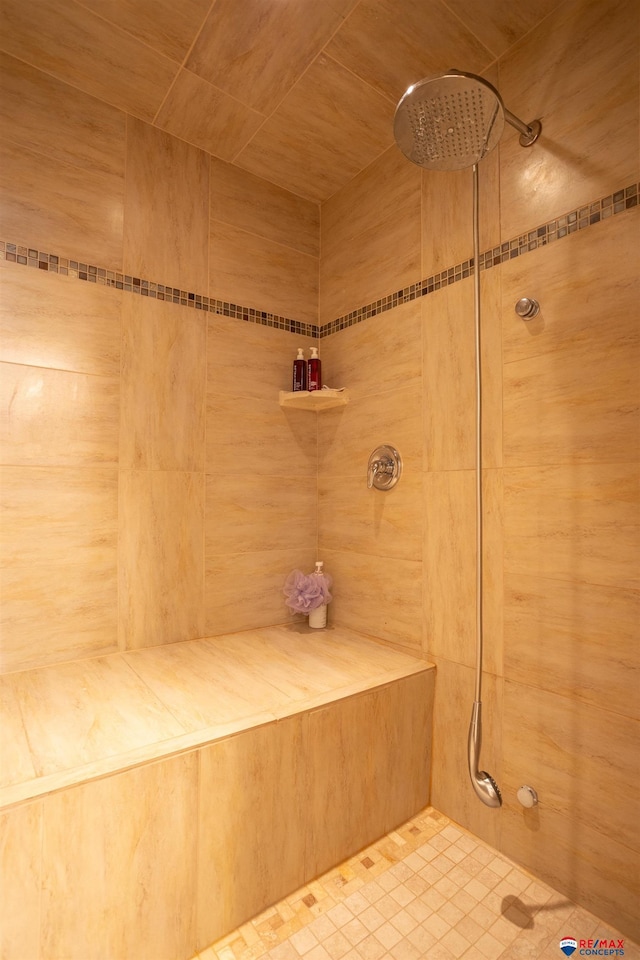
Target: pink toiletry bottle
[
  {"x": 300, "y": 371},
  {"x": 314, "y": 371}
]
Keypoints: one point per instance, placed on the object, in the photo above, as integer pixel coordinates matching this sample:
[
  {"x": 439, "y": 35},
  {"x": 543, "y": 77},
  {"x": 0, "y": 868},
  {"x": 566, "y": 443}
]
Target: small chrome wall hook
[{"x": 527, "y": 308}]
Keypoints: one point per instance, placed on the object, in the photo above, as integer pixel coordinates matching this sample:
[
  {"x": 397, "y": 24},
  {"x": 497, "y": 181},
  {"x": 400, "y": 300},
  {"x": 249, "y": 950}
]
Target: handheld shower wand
[
  {"x": 450, "y": 122},
  {"x": 482, "y": 782}
]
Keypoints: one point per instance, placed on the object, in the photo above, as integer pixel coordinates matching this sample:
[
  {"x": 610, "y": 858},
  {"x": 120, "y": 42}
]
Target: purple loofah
[{"x": 305, "y": 592}]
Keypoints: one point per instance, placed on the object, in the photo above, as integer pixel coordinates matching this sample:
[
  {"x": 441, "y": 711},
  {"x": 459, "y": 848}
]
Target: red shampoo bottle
[
  {"x": 314, "y": 371},
  {"x": 300, "y": 372}
]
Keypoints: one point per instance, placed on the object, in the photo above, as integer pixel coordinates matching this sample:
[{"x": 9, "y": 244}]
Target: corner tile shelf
[{"x": 314, "y": 399}]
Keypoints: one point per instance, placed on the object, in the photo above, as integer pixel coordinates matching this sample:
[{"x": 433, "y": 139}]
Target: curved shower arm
[{"x": 529, "y": 132}]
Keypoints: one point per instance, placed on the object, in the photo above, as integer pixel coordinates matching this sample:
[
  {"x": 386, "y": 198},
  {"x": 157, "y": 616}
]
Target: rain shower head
[{"x": 452, "y": 121}]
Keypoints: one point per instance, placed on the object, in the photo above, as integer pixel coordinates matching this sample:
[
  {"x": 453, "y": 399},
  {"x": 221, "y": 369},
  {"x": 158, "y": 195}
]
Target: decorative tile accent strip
[
  {"x": 52, "y": 263},
  {"x": 540, "y": 236}
]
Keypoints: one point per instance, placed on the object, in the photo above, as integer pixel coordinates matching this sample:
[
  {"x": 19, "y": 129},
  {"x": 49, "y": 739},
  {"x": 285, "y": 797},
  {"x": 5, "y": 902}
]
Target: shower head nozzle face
[{"x": 449, "y": 122}]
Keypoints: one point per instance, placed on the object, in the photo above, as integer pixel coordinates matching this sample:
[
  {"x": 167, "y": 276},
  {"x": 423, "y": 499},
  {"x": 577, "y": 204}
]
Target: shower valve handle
[{"x": 384, "y": 468}]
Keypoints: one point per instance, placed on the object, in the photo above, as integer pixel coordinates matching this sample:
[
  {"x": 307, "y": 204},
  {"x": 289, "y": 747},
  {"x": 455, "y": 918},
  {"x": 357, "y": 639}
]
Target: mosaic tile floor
[{"x": 428, "y": 890}]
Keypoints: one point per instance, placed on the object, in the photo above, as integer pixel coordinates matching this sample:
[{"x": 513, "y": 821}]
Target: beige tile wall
[
  {"x": 372, "y": 544},
  {"x": 154, "y": 489},
  {"x": 162, "y": 859},
  {"x": 561, "y": 429}
]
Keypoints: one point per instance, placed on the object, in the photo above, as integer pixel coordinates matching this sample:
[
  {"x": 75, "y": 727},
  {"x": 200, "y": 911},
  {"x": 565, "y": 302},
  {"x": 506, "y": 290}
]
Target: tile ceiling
[{"x": 300, "y": 92}]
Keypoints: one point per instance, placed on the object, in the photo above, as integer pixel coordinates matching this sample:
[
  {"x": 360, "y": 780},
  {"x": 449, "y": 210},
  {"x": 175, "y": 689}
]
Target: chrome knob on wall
[
  {"x": 527, "y": 308},
  {"x": 384, "y": 468},
  {"x": 527, "y": 796}
]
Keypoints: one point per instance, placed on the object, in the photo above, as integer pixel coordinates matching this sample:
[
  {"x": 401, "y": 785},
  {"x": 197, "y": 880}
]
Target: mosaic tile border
[
  {"x": 52, "y": 263},
  {"x": 563, "y": 226},
  {"x": 541, "y": 236}
]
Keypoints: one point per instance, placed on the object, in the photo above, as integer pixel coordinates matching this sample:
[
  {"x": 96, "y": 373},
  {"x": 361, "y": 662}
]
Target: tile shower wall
[
  {"x": 560, "y": 446},
  {"x": 153, "y": 489},
  {"x": 165, "y": 504}
]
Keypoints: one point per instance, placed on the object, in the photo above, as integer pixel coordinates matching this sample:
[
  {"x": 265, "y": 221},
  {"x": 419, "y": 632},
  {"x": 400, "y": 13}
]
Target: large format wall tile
[
  {"x": 72, "y": 211},
  {"x": 449, "y": 553},
  {"x": 383, "y": 353},
  {"x": 128, "y": 73},
  {"x": 370, "y": 238},
  {"x": 313, "y": 152},
  {"x": 259, "y": 438},
  {"x": 245, "y": 590},
  {"x": 20, "y": 863},
  {"x": 449, "y": 397},
  {"x": 163, "y": 377},
  {"x": 252, "y": 204},
  {"x": 113, "y": 712},
  {"x": 379, "y": 596},
  {"x": 158, "y": 23},
  {"x": 451, "y": 789},
  {"x": 121, "y": 850},
  {"x": 583, "y": 41},
  {"x": 167, "y": 194},
  {"x": 57, "y": 418},
  {"x": 246, "y": 514},
  {"x": 585, "y": 88},
  {"x": 577, "y": 406},
  {"x": 450, "y": 376},
  {"x": 563, "y": 747},
  {"x": 58, "y": 122},
  {"x": 561, "y": 634},
  {"x": 447, "y": 212},
  {"x": 558, "y": 276},
  {"x": 577, "y": 858},
  {"x": 570, "y": 380},
  {"x": 390, "y": 765},
  {"x": 386, "y": 190},
  {"x": 348, "y": 435},
  {"x": 256, "y": 272},
  {"x": 380, "y": 261},
  {"x": 57, "y": 322},
  {"x": 278, "y": 43},
  {"x": 251, "y": 360},
  {"x": 161, "y": 569},
  {"x": 382, "y": 523},
  {"x": 389, "y": 43},
  {"x": 582, "y": 835},
  {"x": 205, "y": 116},
  {"x": 449, "y": 559},
  {"x": 59, "y": 581},
  {"x": 247, "y": 783},
  {"x": 576, "y": 523},
  {"x": 17, "y": 759},
  {"x": 499, "y": 23}
]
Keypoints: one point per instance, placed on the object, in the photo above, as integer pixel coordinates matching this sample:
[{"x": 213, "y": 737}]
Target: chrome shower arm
[{"x": 529, "y": 132}]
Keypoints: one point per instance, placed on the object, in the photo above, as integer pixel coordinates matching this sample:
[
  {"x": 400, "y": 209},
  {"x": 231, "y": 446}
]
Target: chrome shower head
[{"x": 452, "y": 121}]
